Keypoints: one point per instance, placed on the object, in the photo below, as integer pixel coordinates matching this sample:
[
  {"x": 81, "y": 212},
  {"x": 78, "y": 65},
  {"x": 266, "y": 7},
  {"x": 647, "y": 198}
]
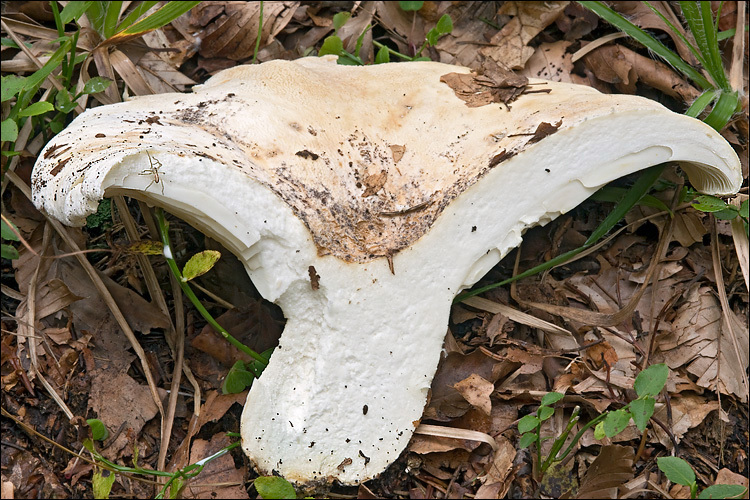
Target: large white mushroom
[{"x": 362, "y": 200}]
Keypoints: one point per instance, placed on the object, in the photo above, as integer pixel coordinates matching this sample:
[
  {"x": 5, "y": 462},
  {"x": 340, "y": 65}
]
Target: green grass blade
[
  {"x": 161, "y": 17},
  {"x": 700, "y": 20},
  {"x": 647, "y": 40},
  {"x": 723, "y": 110},
  {"x": 135, "y": 14},
  {"x": 96, "y": 14},
  {"x": 702, "y": 102},
  {"x": 110, "y": 18}
]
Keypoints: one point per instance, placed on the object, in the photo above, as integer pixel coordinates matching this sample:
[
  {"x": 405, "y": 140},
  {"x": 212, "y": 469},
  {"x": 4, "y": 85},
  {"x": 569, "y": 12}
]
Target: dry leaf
[
  {"x": 476, "y": 391},
  {"x": 510, "y": 45},
  {"x": 611, "y": 469},
  {"x": 220, "y": 470}
]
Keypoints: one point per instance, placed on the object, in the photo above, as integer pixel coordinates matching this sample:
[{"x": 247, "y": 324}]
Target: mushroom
[{"x": 362, "y": 200}]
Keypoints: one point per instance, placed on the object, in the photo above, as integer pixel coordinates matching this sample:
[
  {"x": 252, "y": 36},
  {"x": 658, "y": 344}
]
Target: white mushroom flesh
[{"x": 297, "y": 167}]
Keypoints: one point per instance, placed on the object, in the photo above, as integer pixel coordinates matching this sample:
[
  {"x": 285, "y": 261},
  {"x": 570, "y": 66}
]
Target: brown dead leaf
[
  {"x": 543, "y": 130},
  {"x": 496, "y": 481},
  {"x": 623, "y": 68},
  {"x": 446, "y": 403},
  {"x": 496, "y": 84},
  {"x": 550, "y": 61},
  {"x": 510, "y": 45},
  {"x": 229, "y": 29},
  {"x": 119, "y": 400},
  {"x": 612, "y": 468},
  {"x": 688, "y": 410},
  {"x": 694, "y": 343},
  {"x": 602, "y": 354},
  {"x": 576, "y": 21},
  {"x": 726, "y": 476},
  {"x": 642, "y": 16},
  {"x": 476, "y": 391},
  {"x": 220, "y": 470},
  {"x": 53, "y": 296}
]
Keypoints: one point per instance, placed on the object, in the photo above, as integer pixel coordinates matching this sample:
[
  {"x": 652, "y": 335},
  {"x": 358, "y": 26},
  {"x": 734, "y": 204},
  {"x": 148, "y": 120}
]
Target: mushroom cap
[{"x": 384, "y": 184}]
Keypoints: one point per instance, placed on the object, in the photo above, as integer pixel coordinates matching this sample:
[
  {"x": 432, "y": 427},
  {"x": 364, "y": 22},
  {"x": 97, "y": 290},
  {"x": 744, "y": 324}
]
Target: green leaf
[
  {"x": 551, "y": 398},
  {"x": 528, "y": 423},
  {"x": 677, "y": 470},
  {"x": 96, "y": 85},
  {"x": 102, "y": 482},
  {"x": 7, "y": 232},
  {"x": 361, "y": 39},
  {"x": 613, "y": 194},
  {"x": 744, "y": 209},
  {"x": 723, "y": 491},
  {"x": 98, "y": 431},
  {"x": 63, "y": 102},
  {"x": 73, "y": 10},
  {"x": 237, "y": 380},
  {"x": 199, "y": 264},
  {"x": 383, "y": 56},
  {"x": 56, "y": 126},
  {"x": 8, "y": 252},
  {"x": 615, "y": 422},
  {"x": 331, "y": 45},
  {"x": 11, "y": 85},
  {"x": 340, "y": 19},
  {"x": 651, "y": 381},
  {"x": 728, "y": 214},
  {"x": 432, "y": 37},
  {"x": 599, "y": 431},
  {"x": 37, "y": 108},
  {"x": 527, "y": 439},
  {"x": 444, "y": 24},
  {"x": 274, "y": 487},
  {"x": 8, "y": 130},
  {"x": 88, "y": 443},
  {"x": 410, "y": 6},
  {"x": 642, "y": 410},
  {"x": 708, "y": 203},
  {"x": 544, "y": 412}
]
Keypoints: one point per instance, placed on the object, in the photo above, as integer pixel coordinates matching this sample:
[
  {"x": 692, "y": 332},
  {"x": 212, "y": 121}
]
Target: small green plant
[
  {"x": 679, "y": 471},
  {"x": 647, "y": 385},
  {"x": 104, "y": 476},
  {"x": 241, "y": 375},
  {"x": 334, "y": 45}
]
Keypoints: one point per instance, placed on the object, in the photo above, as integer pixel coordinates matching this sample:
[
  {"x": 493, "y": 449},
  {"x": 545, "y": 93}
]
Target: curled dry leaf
[{"x": 623, "y": 68}]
